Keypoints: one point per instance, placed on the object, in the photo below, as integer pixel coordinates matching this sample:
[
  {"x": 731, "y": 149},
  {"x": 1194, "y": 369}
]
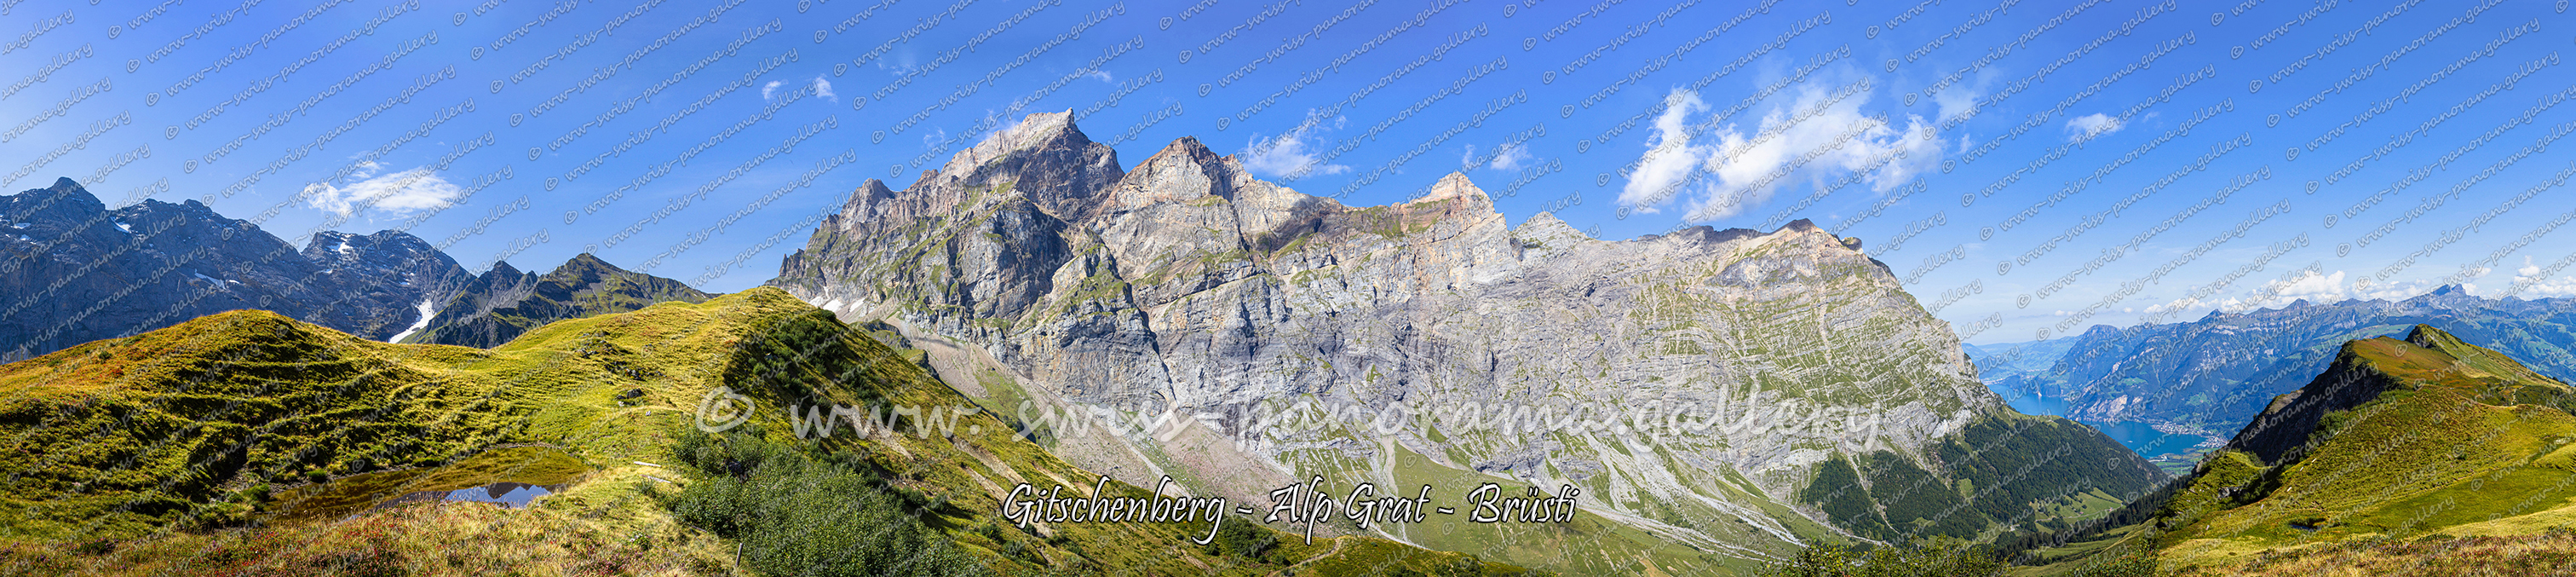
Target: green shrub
[{"x": 803, "y": 515}]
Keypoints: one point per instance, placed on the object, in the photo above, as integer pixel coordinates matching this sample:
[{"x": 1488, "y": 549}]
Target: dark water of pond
[
  {"x": 511, "y": 476},
  {"x": 508, "y": 494}
]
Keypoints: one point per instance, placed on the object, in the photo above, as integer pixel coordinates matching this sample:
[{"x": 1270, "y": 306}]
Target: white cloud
[
  {"x": 2399, "y": 291},
  {"x": 1752, "y": 167},
  {"x": 1102, "y": 75},
  {"x": 2316, "y": 287},
  {"x": 1286, "y": 155},
  {"x": 1670, "y": 158},
  {"x": 2090, "y": 126},
  {"x": 2528, "y": 283},
  {"x": 822, "y": 88},
  {"x": 2177, "y": 305},
  {"x": 1510, "y": 158},
  {"x": 395, "y": 194},
  {"x": 768, "y": 89}
]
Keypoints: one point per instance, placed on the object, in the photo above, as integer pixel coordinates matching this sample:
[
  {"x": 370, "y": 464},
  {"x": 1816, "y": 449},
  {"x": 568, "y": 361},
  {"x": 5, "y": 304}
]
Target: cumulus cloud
[
  {"x": 1102, "y": 75},
  {"x": 393, "y": 194},
  {"x": 1288, "y": 155},
  {"x": 2090, "y": 126},
  {"x": 1752, "y": 165},
  {"x": 2315, "y": 287},
  {"x": 767, "y": 90},
  {"x": 822, "y": 88},
  {"x": 2528, "y": 283},
  {"x": 1670, "y": 158}
]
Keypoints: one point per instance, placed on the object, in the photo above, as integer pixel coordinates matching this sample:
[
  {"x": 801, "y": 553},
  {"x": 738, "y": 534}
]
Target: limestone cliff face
[{"x": 1188, "y": 286}]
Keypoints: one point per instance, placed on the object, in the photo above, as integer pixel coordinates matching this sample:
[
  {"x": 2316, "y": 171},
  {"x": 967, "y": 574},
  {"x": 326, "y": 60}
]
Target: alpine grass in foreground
[{"x": 235, "y": 444}]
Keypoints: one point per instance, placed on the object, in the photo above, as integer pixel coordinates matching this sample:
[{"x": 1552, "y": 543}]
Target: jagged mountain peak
[
  {"x": 587, "y": 261},
  {"x": 1454, "y": 185},
  {"x": 1037, "y": 132},
  {"x": 64, "y": 198},
  {"x": 1548, "y": 225},
  {"x": 336, "y": 245},
  {"x": 1044, "y": 158},
  {"x": 1182, "y": 171}
]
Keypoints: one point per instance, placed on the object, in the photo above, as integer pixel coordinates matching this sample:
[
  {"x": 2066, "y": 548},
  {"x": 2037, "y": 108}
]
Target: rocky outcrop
[
  {"x": 505, "y": 302},
  {"x": 1692, "y": 381},
  {"x": 73, "y": 271}
]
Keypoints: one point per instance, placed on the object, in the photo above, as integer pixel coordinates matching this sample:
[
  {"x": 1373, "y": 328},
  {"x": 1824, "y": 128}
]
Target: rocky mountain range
[
  {"x": 2212, "y": 374},
  {"x": 77, "y": 272},
  {"x": 73, "y": 271},
  {"x": 1719, "y": 396},
  {"x": 504, "y": 302}
]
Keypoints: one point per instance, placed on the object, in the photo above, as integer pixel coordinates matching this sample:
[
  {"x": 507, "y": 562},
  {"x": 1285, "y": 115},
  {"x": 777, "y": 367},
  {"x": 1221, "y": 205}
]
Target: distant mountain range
[
  {"x": 2212, "y": 374},
  {"x": 72, "y": 271}
]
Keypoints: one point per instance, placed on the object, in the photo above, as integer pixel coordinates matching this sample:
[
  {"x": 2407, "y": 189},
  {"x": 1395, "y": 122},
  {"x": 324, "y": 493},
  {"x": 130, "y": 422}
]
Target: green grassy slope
[
  {"x": 2399, "y": 441},
  {"x": 244, "y": 441}
]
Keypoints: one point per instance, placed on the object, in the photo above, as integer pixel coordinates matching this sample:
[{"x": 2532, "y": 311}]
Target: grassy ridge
[
  {"x": 2408, "y": 442},
  {"x": 165, "y": 453}
]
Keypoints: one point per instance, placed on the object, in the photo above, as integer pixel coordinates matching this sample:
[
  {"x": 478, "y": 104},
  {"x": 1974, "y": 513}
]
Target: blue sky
[{"x": 2027, "y": 168}]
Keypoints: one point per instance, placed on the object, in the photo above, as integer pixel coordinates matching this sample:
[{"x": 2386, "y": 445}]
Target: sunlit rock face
[{"x": 1700, "y": 376}]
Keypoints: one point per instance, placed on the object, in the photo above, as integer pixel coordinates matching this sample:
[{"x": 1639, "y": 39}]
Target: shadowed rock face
[
  {"x": 74, "y": 271},
  {"x": 1186, "y": 285}
]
